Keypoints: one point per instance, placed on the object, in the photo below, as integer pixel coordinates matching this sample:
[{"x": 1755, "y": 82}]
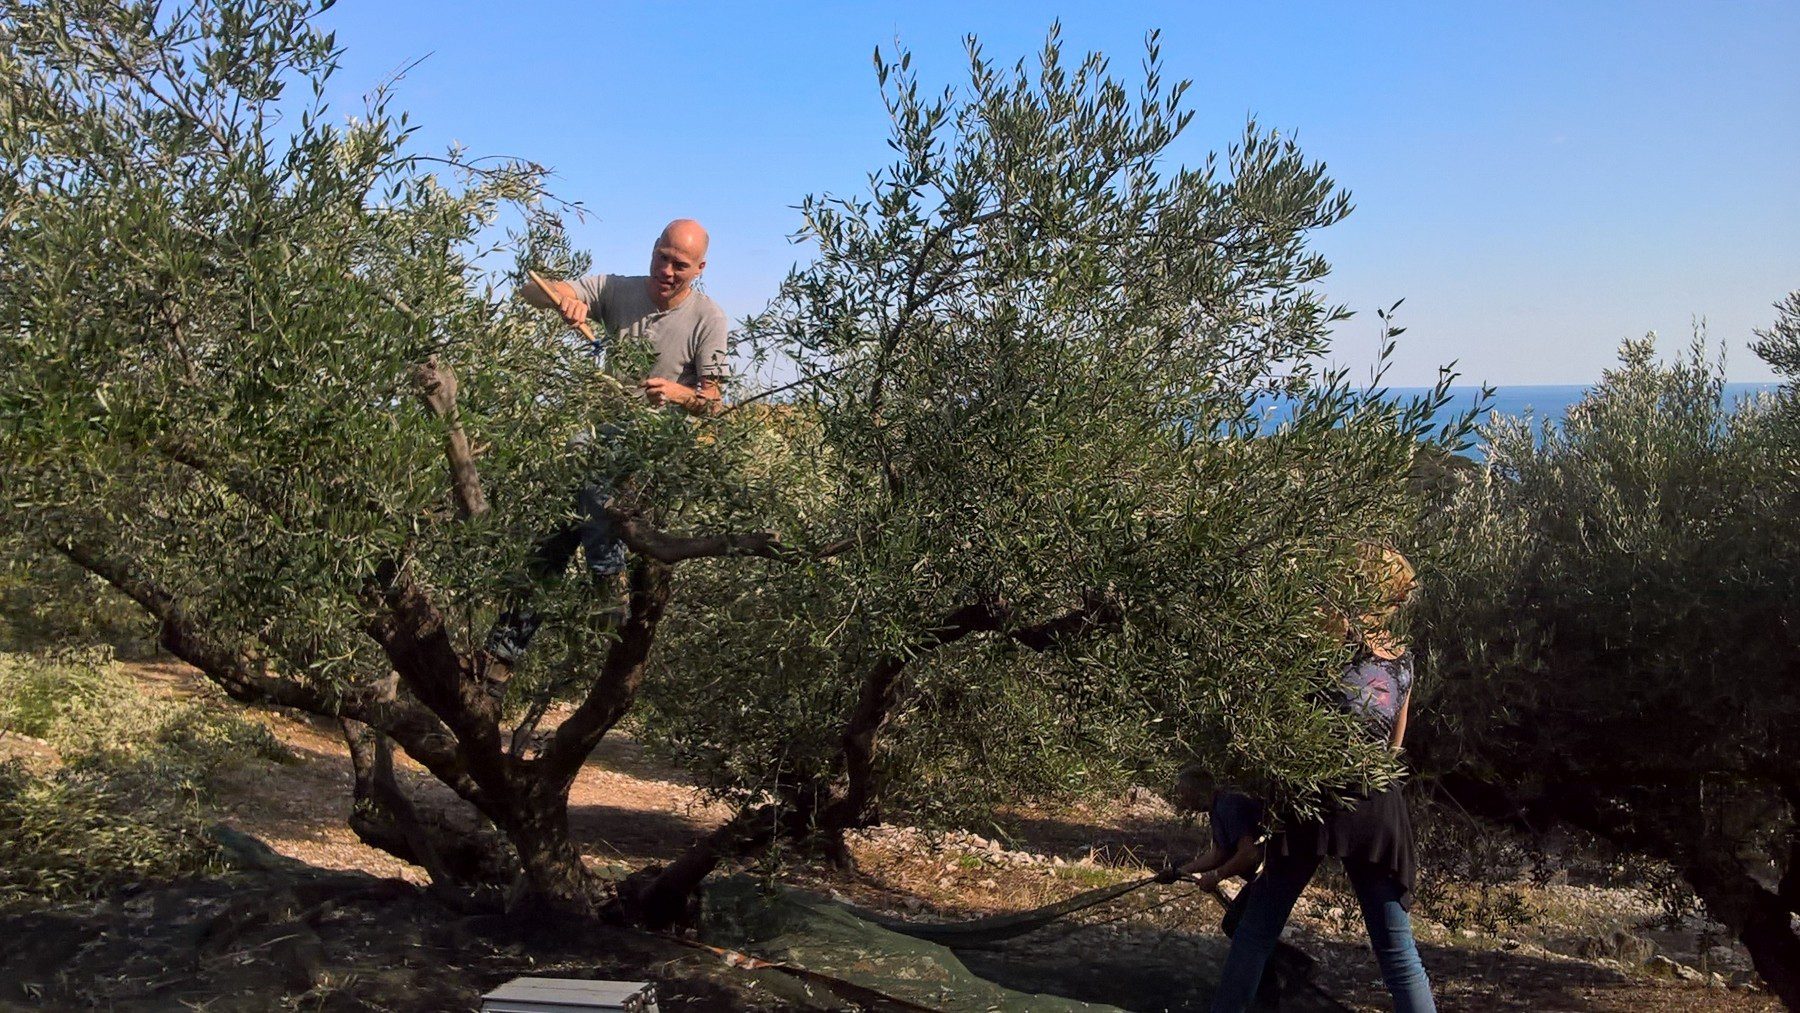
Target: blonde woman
[{"x": 1371, "y": 834}]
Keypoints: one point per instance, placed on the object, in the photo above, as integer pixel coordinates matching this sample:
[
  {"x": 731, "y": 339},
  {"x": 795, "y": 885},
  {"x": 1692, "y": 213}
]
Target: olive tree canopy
[
  {"x": 1612, "y": 633},
  {"x": 1020, "y": 511}
]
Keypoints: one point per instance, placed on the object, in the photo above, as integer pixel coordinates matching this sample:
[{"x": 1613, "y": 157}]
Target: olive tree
[
  {"x": 1034, "y": 362},
  {"x": 258, "y": 377},
  {"x": 1613, "y": 635},
  {"x": 260, "y": 374}
]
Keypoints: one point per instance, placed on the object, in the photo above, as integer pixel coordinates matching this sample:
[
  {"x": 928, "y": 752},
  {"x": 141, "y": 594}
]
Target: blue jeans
[
  {"x": 1271, "y": 900},
  {"x": 598, "y": 539}
]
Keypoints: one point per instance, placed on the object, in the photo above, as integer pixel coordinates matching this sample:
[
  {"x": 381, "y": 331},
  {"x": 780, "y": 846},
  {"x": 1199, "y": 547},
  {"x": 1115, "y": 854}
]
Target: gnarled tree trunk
[{"x": 822, "y": 813}]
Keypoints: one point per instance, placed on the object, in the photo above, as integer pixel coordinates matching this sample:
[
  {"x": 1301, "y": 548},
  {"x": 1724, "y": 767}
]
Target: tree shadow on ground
[
  {"x": 306, "y": 938},
  {"x": 623, "y": 834},
  {"x": 1146, "y": 840},
  {"x": 1500, "y": 980},
  {"x": 1135, "y": 970}
]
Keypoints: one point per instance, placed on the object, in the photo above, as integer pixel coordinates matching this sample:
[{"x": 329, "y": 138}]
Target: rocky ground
[
  {"x": 342, "y": 935},
  {"x": 1574, "y": 947}
]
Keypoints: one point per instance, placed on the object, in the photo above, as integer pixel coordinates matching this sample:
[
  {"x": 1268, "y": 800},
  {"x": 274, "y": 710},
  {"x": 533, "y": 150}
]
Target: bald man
[
  {"x": 685, "y": 329},
  {"x": 686, "y": 332}
]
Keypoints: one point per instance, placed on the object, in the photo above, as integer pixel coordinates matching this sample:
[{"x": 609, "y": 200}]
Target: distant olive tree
[
  {"x": 1613, "y": 634},
  {"x": 257, "y": 375}
]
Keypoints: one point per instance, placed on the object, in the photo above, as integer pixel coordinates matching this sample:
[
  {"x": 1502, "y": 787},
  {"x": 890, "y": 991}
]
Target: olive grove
[
  {"x": 1611, "y": 634},
  {"x": 1018, "y": 521}
]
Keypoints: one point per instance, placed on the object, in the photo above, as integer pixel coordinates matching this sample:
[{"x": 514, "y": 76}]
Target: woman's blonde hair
[{"x": 1390, "y": 571}]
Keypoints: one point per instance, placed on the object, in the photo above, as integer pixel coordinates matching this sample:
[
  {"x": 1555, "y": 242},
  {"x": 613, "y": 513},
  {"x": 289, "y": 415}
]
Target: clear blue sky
[{"x": 1538, "y": 180}]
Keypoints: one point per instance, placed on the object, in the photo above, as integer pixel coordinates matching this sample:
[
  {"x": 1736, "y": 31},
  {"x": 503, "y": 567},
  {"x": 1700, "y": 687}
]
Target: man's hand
[
  {"x": 574, "y": 311},
  {"x": 701, "y": 401},
  {"x": 546, "y": 293},
  {"x": 659, "y": 391},
  {"x": 1202, "y": 870}
]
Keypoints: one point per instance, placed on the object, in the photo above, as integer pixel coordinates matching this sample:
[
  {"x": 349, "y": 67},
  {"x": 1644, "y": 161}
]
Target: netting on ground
[{"x": 814, "y": 933}]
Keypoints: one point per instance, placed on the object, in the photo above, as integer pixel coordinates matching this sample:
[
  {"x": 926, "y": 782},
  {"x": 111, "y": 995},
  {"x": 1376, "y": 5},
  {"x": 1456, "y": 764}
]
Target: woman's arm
[{"x": 1399, "y": 735}]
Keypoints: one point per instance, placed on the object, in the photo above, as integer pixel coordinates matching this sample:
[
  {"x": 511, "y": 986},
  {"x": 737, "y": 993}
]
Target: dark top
[
  {"x": 1375, "y": 829},
  {"x": 1234, "y": 817},
  {"x": 1357, "y": 826},
  {"x": 1375, "y": 688}
]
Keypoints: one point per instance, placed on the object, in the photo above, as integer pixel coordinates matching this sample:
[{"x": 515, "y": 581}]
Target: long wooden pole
[{"x": 543, "y": 285}]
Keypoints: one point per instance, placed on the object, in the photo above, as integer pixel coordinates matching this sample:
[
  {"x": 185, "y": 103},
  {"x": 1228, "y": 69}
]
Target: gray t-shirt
[{"x": 684, "y": 344}]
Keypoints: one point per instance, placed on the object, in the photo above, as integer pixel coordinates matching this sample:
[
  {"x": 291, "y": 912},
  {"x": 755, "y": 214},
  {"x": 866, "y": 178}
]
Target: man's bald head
[
  {"x": 688, "y": 234},
  {"x": 679, "y": 257}
]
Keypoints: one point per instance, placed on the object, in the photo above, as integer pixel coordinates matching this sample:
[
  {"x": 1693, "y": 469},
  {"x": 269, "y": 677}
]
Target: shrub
[
  {"x": 46, "y": 603},
  {"x": 130, "y": 800},
  {"x": 87, "y": 829},
  {"x": 36, "y": 691}
]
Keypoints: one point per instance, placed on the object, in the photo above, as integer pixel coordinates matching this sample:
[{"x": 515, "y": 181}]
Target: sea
[
  {"x": 1540, "y": 401},
  {"x": 1550, "y": 401}
]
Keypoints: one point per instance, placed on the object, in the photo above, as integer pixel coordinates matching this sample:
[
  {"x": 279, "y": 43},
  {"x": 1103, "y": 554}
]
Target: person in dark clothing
[
  {"x": 1370, "y": 833},
  {"x": 1236, "y": 822},
  {"x": 1238, "y": 825},
  {"x": 685, "y": 331}
]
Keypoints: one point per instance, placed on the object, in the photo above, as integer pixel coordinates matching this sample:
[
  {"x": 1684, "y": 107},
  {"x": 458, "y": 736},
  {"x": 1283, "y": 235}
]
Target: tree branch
[
  {"x": 242, "y": 671},
  {"x": 408, "y": 628},
  {"x": 177, "y": 102},
  {"x": 667, "y": 548},
  {"x": 436, "y": 387},
  {"x": 615, "y": 690},
  {"x": 657, "y": 896},
  {"x": 187, "y": 455},
  {"x": 1095, "y": 613},
  {"x": 239, "y": 668},
  {"x": 880, "y": 688},
  {"x": 384, "y": 817},
  {"x": 670, "y": 548},
  {"x": 416, "y": 639},
  {"x": 1756, "y": 915}
]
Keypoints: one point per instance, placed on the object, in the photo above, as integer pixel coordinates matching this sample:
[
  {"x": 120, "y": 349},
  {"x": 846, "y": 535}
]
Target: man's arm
[
  {"x": 711, "y": 361},
  {"x": 1208, "y": 860},
  {"x": 702, "y": 400},
  {"x": 565, "y": 299}
]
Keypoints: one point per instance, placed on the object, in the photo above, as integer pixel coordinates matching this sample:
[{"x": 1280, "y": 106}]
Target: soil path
[{"x": 627, "y": 809}]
